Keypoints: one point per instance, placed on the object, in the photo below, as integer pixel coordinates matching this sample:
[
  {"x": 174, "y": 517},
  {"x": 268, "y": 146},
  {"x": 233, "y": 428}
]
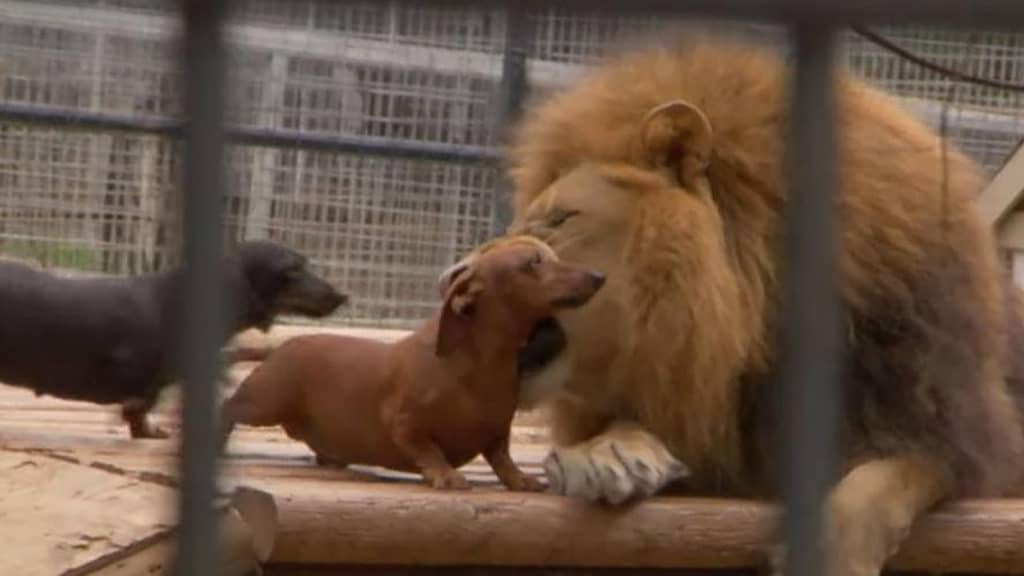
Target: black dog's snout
[
  {"x": 598, "y": 279},
  {"x": 338, "y": 298}
]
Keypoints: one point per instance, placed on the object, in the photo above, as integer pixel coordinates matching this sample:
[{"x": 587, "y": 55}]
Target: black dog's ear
[
  {"x": 270, "y": 268},
  {"x": 456, "y": 313},
  {"x": 264, "y": 267}
]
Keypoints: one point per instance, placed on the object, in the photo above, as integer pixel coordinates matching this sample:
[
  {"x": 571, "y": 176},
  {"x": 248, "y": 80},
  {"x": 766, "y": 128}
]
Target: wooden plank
[
  {"x": 156, "y": 558},
  {"x": 1010, "y": 230},
  {"x": 378, "y": 570},
  {"x": 373, "y": 518},
  {"x": 383, "y": 524},
  {"x": 1003, "y": 192},
  {"x": 363, "y": 517},
  {"x": 271, "y": 463},
  {"x": 244, "y": 442},
  {"x": 63, "y": 517},
  {"x": 60, "y": 516},
  {"x": 246, "y": 531}
]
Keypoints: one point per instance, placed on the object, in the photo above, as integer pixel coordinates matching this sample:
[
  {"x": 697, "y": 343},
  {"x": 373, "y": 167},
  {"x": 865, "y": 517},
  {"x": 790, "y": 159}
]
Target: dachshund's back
[{"x": 76, "y": 338}]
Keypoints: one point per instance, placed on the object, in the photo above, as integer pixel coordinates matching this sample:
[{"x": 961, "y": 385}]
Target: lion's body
[{"x": 684, "y": 343}]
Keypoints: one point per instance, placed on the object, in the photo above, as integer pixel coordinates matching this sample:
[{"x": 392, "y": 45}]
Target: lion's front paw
[{"x": 616, "y": 466}]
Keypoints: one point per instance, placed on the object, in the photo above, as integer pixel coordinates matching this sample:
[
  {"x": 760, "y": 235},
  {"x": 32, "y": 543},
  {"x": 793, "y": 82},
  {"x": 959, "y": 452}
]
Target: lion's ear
[{"x": 677, "y": 135}]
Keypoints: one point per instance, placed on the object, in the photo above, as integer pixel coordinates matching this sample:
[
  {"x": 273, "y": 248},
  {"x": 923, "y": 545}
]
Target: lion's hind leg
[{"x": 872, "y": 509}]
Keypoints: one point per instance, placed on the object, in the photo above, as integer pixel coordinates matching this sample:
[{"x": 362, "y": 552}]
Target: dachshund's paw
[
  {"x": 150, "y": 431},
  {"x": 526, "y": 484},
  {"x": 447, "y": 480},
  {"x": 624, "y": 462},
  {"x": 328, "y": 462}
]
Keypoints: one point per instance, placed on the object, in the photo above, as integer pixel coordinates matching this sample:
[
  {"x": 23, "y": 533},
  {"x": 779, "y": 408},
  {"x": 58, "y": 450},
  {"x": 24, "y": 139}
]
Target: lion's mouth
[{"x": 547, "y": 340}]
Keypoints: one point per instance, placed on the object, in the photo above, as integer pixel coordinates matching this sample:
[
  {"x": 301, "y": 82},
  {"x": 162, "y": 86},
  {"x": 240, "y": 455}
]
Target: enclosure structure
[{"x": 814, "y": 353}]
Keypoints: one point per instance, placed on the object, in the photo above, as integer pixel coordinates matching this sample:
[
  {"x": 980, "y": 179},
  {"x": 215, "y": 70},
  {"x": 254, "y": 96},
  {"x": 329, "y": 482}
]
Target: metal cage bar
[
  {"x": 296, "y": 139},
  {"x": 1003, "y": 14},
  {"x": 204, "y": 181},
  {"x": 811, "y": 325},
  {"x": 513, "y": 93}
]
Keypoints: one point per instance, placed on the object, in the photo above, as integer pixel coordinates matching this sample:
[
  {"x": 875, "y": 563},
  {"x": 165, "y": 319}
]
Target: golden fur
[{"x": 681, "y": 341}]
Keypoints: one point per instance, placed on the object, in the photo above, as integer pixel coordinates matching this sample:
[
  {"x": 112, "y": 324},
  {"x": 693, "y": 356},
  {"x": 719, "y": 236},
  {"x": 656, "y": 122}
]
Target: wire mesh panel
[
  {"x": 380, "y": 228},
  {"x": 985, "y": 122}
]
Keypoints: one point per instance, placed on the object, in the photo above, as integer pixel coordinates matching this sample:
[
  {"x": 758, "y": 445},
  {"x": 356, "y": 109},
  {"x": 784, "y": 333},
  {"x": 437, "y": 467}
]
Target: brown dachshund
[{"x": 434, "y": 400}]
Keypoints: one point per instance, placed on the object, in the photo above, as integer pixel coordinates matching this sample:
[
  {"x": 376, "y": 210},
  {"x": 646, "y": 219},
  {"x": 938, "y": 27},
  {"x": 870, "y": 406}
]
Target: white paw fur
[{"x": 623, "y": 463}]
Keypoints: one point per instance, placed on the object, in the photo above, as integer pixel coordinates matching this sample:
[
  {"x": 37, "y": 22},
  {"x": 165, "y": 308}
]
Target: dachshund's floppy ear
[
  {"x": 677, "y": 135},
  {"x": 445, "y": 280},
  {"x": 457, "y": 311}
]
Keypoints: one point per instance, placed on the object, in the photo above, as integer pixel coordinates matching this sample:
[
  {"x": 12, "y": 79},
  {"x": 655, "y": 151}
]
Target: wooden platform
[{"x": 77, "y": 496}]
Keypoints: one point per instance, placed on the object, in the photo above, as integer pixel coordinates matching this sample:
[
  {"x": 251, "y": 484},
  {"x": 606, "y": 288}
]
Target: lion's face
[
  {"x": 650, "y": 222},
  {"x": 585, "y": 219},
  {"x": 583, "y": 216},
  {"x": 591, "y": 216}
]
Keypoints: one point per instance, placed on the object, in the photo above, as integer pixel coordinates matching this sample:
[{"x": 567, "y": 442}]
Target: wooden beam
[
  {"x": 381, "y": 570},
  {"x": 1010, "y": 230},
  {"x": 1004, "y": 191},
  {"x": 380, "y": 524}
]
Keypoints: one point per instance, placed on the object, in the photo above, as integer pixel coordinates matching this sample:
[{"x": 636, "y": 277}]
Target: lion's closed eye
[{"x": 559, "y": 217}]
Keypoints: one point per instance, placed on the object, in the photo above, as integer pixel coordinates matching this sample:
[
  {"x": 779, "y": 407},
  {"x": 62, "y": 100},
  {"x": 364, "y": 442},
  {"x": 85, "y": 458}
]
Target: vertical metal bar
[
  {"x": 812, "y": 342},
  {"x": 513, "y": 69},
  {"x": 204, "y": 181},
  {"x": 514, "y": 85}
]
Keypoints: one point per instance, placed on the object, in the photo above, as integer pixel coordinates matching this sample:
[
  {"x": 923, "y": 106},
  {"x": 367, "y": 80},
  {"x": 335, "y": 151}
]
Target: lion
[{"x": 664, "y": 168}]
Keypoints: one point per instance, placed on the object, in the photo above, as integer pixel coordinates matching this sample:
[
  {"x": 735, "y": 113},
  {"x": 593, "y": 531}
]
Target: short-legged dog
[
  {"x": 112, "y": 340},
  {"x": 436, "y": 399}
]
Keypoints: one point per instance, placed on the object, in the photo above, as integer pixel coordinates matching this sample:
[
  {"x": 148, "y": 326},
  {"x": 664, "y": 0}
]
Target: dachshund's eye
[
  {"x": 533, "y": 262},
  {"x": 560, "y": 217}
]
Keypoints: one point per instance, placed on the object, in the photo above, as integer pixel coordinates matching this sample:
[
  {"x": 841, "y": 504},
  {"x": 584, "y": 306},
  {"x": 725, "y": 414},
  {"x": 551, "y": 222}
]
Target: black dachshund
[{"x": 113, "y": 340}]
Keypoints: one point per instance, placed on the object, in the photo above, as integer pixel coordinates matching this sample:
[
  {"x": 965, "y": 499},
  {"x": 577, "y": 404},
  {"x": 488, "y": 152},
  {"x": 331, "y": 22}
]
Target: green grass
[{"x": 54, "y": 254}]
